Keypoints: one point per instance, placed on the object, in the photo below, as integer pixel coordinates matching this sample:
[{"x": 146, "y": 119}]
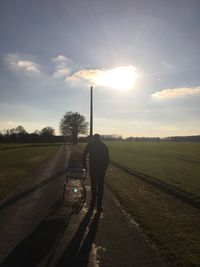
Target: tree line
[
  {"x": 71, "y": 126},
  {"x": 19, "y": 134}
]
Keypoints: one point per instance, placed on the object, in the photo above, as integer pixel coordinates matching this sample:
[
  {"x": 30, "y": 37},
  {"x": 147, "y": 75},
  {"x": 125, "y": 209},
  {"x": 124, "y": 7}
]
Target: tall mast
[{"x": 91, "y": 112}]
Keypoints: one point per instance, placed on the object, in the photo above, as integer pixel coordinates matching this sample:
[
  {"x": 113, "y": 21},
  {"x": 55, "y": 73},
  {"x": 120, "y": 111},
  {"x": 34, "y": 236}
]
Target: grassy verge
[
  {"x": 171, "y": 224},
  {"x": 17, "y": 161},
  {"x": 177, "y": 164}
]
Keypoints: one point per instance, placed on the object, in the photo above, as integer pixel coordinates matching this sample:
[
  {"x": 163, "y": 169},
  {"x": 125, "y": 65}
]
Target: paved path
[
  {"x": 19, "y": 219},
  {"x": 40, "y": 230}
]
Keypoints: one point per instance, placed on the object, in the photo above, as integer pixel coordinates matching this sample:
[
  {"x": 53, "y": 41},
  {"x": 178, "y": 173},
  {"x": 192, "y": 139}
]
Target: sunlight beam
[{"x": 121, "y": 78}]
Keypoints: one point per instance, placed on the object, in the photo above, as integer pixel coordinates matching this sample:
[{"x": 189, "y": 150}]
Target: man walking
[{"x": 98, "y": 163}]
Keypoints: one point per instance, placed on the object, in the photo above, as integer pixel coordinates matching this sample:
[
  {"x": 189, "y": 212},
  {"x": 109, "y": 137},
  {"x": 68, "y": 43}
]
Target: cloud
[
  {"x": 86, "y": 75},
  {"x": 18, "y": 62},
  {"x": 61, "y": 58},
  {"x": 61, "y": 72},
  {"x": 176, "y": 92},
  {"x": 122, "y": 77},
  {"x": 62, "y": 66},
  {"x": 27, "y": 65}
]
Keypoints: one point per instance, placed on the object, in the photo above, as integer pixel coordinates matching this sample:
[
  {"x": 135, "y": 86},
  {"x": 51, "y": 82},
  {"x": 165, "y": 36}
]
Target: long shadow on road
[
  {"x": 38, "y": 244},
  {"x": 44, "y": 239},
  {"x": 78, "y": 251},
  {"x": 30, "y": 190}
]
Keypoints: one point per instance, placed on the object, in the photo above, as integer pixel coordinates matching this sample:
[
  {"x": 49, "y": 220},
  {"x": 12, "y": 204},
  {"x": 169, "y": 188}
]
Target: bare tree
[
  {"x": 47, "y": 131},
  {"x": 73, "y": 124},
  {"x": 20, "y": 130}
]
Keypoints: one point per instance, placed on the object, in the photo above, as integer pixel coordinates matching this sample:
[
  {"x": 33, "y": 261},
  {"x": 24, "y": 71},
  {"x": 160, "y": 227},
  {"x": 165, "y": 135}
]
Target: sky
[{"x": 141, "y": 57}]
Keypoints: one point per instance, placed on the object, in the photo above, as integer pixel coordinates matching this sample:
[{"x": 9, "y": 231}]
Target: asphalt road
[{"x": 39, "y": 229}]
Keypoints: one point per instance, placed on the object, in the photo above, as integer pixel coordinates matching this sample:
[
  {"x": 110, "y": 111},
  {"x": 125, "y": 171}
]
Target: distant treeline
[
  {"x": 20, "y": 135},
  {"x": 47, "y": 134},
  {"x": 193, "y": 138},
  {"x": 140, "y": 139}
]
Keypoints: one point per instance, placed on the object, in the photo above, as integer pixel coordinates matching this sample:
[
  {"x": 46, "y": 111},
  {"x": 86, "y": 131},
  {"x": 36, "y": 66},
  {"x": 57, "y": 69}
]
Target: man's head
[{"x": 96, "y": 137}]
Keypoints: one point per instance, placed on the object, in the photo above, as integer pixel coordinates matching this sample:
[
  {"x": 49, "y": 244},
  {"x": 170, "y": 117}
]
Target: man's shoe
[{"x": 92, "y": 205}]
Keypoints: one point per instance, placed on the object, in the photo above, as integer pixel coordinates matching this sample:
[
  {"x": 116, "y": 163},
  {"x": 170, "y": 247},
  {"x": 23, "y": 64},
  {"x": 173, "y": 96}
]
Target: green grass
[
  {"x": 174, "y": 163},
  {"x": 5, "y": 146},
  {"x": 17, "y": 160},
  {"x": 171, "y": 224},
  {"x": 177, "y": 164}
]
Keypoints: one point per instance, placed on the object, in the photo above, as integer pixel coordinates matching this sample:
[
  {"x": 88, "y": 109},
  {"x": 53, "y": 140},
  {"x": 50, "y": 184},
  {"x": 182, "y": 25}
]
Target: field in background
[
  {"x": 175, "y": 163},
  {"x": 173, "y": 225},
  {"x": 17, "y": 160}
]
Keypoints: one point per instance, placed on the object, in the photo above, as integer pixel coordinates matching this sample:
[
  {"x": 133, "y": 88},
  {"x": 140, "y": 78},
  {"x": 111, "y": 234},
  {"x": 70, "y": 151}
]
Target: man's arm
[
  {"x": 107, "y": 157},
  {"x": 84, "y": 156}
]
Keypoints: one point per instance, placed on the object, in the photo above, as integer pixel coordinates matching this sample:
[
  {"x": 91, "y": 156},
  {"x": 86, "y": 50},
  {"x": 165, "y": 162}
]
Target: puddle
[{"x": 93, "y": 262}]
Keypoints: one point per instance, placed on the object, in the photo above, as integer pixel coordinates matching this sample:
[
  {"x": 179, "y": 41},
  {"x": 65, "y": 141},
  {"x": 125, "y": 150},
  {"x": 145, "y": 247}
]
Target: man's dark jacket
[{"x": 98, "y": 155}]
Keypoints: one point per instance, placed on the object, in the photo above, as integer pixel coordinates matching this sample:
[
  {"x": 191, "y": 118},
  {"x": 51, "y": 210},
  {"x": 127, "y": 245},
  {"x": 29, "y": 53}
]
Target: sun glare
[{"x": 122, "y": 78}]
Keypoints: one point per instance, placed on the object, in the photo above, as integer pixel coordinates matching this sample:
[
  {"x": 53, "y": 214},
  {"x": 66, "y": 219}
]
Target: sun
[{"x": 121, "y": 78}]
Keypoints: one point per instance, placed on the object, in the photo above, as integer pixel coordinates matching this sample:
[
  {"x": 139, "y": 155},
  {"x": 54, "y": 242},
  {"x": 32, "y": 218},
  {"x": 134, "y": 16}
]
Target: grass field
[
  {"x": 17, "y": 160},
  {"x": 171, "y": 224},
  {"x": 177, "y": 164}
]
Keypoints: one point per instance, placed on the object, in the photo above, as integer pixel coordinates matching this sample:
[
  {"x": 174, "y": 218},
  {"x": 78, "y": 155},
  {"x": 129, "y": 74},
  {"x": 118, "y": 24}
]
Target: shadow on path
[
  {"x": 39, "y": 243},
  {"x": 78, "y": 251},
  {"x": 19, "y": 196}
]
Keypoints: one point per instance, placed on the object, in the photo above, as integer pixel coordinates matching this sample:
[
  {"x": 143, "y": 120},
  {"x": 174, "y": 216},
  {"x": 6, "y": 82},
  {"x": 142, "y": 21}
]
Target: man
[{"x": 98, "y": 163}]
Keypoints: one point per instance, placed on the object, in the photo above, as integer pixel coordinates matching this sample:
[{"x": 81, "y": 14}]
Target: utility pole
[{"x": 91, "y": 112}]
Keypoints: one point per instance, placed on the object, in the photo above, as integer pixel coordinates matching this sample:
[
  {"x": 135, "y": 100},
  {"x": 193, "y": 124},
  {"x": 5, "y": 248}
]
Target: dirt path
[{"x": 40, "y": 230}]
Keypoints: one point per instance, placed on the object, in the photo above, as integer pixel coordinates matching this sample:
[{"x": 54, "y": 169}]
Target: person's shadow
[
  {"x": 78, "y": 251},
  {"x": 30, "y": 251}
]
